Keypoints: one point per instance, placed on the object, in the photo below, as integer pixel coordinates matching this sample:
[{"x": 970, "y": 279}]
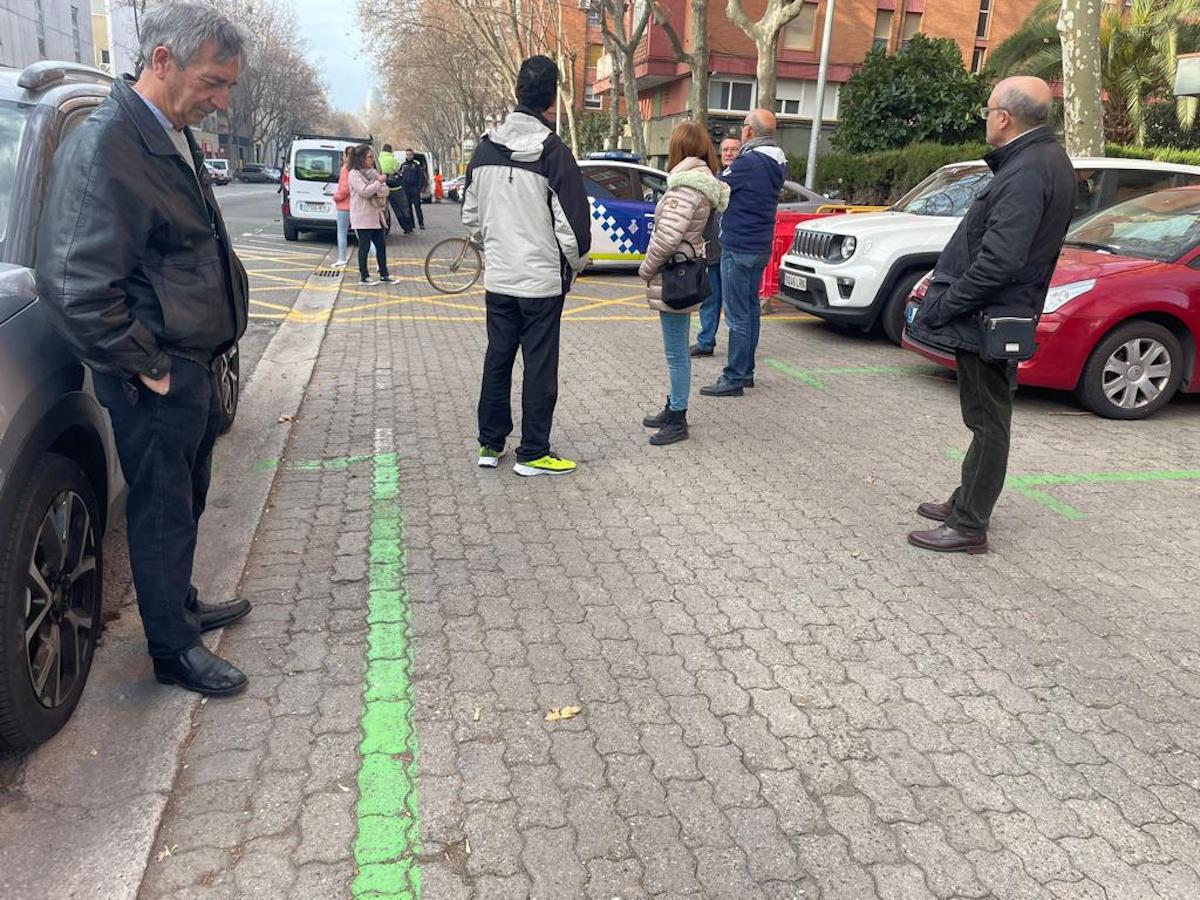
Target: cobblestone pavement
[{"x": 780, "y": 698}]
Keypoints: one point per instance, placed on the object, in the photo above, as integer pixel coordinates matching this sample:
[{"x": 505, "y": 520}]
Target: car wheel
[
  {"x": 892, "y": 317},
  {"x": 229, "y": 380},
  {"x": 290, "y": 231},
  {"x": 1133, "y": 372},
  {"x": 51, "y": 566}
]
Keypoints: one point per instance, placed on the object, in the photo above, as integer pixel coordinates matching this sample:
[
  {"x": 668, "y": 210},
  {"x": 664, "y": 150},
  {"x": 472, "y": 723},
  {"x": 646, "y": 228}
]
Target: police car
[{"x": 622, "y": 194}]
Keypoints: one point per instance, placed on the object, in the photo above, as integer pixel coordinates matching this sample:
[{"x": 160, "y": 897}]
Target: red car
[{"x": 1122, "y": 318}]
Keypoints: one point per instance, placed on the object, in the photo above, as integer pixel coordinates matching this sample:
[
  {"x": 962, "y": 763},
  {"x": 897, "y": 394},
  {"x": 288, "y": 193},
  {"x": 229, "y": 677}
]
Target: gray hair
[
  {"x": 1023, "y": 108},
  {"x": 183, "y": 28}
]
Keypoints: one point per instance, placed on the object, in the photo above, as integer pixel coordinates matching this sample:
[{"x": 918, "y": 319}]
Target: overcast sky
[{"x": 336, "y": 47}]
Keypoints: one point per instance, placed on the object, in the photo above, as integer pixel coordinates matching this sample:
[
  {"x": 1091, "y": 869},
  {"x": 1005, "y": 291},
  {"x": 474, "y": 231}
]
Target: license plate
[
  {"x": 315, "y": 207},
  {"x": 910, "y": 314},
  {"x": 795, "y": 282}
]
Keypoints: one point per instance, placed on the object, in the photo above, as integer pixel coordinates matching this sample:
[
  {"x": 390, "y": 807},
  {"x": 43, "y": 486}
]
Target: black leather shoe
[
  {"x": 199, "y": 669},
  {"x": 949, "y": 540},
  {"x": 931, "y": 509},
  {"x": 698, "y": 350},
  {"x": 218, "y": 615},
  {"x": 749, "y": 382},
  {"x": 722, "y": 388}
]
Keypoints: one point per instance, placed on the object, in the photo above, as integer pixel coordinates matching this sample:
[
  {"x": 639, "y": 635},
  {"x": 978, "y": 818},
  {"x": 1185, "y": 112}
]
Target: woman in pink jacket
[
  {"x": 368, "y": 206},
  {"x": 341, "y": 202}
]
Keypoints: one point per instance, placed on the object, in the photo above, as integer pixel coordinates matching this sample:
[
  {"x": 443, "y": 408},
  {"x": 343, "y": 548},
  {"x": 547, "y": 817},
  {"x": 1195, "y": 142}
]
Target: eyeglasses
[{"x": 984, "y": 111}]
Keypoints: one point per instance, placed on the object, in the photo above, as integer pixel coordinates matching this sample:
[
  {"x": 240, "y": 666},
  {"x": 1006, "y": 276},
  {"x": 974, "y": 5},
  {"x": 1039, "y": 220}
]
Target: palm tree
[{"x": 1140, "y": 46}]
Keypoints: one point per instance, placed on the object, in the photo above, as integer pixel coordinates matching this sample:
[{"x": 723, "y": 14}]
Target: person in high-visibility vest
[{"x": 437, "y": 186}]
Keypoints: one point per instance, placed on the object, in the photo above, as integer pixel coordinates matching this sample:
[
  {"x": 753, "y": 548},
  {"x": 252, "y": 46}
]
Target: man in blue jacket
[{"x": 747, "y": 230}]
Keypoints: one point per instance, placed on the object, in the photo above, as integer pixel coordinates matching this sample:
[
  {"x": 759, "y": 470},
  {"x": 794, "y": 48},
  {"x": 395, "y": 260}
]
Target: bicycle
[{"x": 452, "y": 266}]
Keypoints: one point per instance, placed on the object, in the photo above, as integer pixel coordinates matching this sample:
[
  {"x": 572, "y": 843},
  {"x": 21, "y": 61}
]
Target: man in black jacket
[
  {"x": 1001, "y": 258},
  {"x": 137, "y": 273},
  {"x": 414, "y": 178}
]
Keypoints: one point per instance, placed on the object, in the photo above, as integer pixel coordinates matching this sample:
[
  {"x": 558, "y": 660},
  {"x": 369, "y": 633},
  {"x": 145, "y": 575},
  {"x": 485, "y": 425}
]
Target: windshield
[
  {"x": 318, "y": 165},
  {"x": 1162, "y": 226},
  {"x": 12, "y": 129},
  {"x": 947, "y": 192}
]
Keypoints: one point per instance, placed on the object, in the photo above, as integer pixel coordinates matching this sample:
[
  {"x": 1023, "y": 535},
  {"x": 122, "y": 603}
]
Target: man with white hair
[{"x": 137, "y": 272}]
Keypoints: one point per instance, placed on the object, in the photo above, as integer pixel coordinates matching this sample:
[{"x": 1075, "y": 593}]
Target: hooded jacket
[
  {"x": 390, "y": 165},
  {"x": 525, "y": 195},
  {"x": 680, "y": 218},
  {"x": 134, "y": 262},
  {"x": 1002, "y": 255},
  {"x": 754, "y": 179}
]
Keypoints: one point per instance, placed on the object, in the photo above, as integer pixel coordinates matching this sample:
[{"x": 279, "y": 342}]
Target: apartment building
[
  {"x": 31, "y": 30},
  {"x": 859, "y": 25}
]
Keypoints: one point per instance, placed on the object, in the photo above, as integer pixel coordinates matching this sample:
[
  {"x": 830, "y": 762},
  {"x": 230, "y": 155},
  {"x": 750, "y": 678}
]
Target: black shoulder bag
[
  {"x": 684, "y": 279},
  {"x": 1008, "y": 337}
]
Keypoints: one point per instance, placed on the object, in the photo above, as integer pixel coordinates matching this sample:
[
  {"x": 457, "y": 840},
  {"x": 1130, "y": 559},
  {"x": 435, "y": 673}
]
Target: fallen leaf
[
  {"x": 557, "y": 714},
  {"x": 165, "y": 852},
  {"x": 283, "y": 419},
  {"x": 871, "y": 480}
]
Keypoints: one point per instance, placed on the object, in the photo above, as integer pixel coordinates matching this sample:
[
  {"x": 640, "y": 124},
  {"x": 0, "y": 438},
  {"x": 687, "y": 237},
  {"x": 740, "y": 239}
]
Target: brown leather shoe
[
  {"x": 949, "y": 540},
  {"x": 931, "y": 509}
]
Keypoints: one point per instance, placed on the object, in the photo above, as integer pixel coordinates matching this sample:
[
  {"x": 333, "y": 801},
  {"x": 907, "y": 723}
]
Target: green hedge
[{"x": 884, "y": 177}]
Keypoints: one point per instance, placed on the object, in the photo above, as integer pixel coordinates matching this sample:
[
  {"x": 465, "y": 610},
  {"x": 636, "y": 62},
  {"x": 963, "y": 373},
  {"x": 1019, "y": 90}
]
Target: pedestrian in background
[
  {"x": 341, "y": 203},
  {"x": 390, "y": 167},
  {"x": 999, "y": 261},
  {"x": 747, "y": 230},
  {"x": 525, "y": 196},
  {"x": 368, "y": 212},
  {"x": 414, "y": 177},
  {"x": 437, "y": 186},
  {"x": 710, "y": 309},
  {"x": 111, "y": 237},
  {"x": 693, "y": 197}
]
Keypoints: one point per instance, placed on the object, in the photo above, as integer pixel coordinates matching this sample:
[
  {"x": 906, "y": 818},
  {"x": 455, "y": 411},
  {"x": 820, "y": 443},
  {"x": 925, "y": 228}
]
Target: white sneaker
[
  {"x": 489, "y": 458},
  {"x": 341, "y": 263},
  {"x": 369, "y": 281}
]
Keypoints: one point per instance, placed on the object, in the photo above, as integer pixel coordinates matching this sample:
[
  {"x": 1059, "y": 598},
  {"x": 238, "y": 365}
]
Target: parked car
[
  {"x": 218, "y": 169},
  {"x": 859, "y": 270},
  {"x": 622, "y": 196},
  {"x": 795, "y": 197},
  {"x": 59, "y": 475},
  {"x": 258, "y": 173},
  {"x": 1122, "y": 318},
  {"x": 455, "y": 188},
  {"x": 313, "y": 163}
]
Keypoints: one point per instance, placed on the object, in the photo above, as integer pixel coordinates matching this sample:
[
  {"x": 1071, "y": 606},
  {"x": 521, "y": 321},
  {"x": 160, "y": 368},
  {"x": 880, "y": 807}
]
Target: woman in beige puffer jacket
[{"x": 693, "y": 192}]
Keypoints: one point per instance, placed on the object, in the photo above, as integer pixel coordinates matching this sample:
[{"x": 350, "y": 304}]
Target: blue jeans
[
  {"x": 675, "y": 330},
  {"x": 710, "y": 310},
  {"x": 741, "y": 274},
  {"x": 343, "y": 225}
]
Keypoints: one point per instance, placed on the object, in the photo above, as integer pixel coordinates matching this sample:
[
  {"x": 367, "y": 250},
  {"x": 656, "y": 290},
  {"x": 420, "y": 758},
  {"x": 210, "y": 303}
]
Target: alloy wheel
[{"x": 1136, "y": 373}]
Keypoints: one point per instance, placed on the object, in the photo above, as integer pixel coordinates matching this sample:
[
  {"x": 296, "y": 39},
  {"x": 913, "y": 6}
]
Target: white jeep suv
[{"x": 858, "y": 270}]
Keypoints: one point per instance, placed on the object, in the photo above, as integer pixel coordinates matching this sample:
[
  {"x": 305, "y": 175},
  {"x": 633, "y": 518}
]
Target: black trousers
[
  {"x": 414, "y": 204},
  {"x": 165, "y": 446},
  {"x": 985, "y": 396},
  {"x": 400, "y": 211},
  {"x": 533, "y": 327},
  {"x": 366, "y": 237}
]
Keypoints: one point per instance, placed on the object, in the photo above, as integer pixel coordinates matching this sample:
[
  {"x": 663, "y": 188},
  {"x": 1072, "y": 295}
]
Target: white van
[{"x": 310, "y": 177}]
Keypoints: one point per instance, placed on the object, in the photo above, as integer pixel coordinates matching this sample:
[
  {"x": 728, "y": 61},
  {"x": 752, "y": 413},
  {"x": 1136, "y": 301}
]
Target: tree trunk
[
  {"x": 698, "y": 92},
  {"x": 633, "y": 108},
  {"x": 768, "y": 49},
  {"x": 1083, "y": 107}
]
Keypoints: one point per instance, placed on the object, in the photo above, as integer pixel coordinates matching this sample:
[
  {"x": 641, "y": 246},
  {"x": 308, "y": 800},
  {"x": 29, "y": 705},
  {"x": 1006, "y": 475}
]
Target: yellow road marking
[{"x": 264, "y": 303}]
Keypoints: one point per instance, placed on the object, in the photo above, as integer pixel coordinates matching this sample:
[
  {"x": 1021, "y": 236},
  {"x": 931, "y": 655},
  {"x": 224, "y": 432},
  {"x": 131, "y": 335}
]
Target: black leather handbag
[
  {"x": 684, "y": 279},
  {"x": 1008, "y": 336}
]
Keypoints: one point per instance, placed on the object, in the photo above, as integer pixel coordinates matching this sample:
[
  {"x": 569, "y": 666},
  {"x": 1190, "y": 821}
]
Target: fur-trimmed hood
[{"x": 694, "y": 173}]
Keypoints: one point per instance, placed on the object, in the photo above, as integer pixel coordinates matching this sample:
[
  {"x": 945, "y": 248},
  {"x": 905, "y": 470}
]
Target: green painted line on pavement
[
  {"x": 388, "y": 842},
  {"x": 810, "y": 376}
]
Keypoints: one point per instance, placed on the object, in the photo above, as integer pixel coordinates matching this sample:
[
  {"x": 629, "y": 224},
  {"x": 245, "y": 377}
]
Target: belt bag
[
  {"x": 684, "y": 279},
  {"x": 1008, "y": 337}
]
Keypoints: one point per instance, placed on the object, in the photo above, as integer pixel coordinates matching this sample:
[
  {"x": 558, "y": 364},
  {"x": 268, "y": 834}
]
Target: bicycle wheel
[{"x": 453, "y": 265}]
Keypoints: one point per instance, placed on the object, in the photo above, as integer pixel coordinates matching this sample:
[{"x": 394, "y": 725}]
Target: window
[
  {"x": 608, "y": 183},
  {"x": 105, "y": 57},
  {"x": 41, "y": 27},
  {"x": 801, "y": 32},
  {"x": 883, "y": 28},
  {"x": 985, "y": 15},
  {"x": 13, "y": 119},
  {"x": 75, "y": 33},
  {"x": 909, "y": 27},
  {"x": 732, "y": 95},
  {"x": 1087, "y": 192},
  {"x": 653, "y": 186},
  {"x": 593, "y": 17},
  {"x": 978, "y": 58},
  {"x": 315, "y": 165},
  {"x": 1135, "y": 182},
  {"x": 799, "y": 98},
  {"x": 591, "y": 100}
]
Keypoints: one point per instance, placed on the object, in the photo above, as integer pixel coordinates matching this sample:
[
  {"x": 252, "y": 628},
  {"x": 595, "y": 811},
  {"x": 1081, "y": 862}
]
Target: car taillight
[
  {"x": 922, "y": 286},
  {"x": 287, "y": 180}
]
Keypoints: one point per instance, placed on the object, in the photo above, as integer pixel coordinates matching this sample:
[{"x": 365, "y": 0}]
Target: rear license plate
[
  {"x": 795, "y": 282},
  {"x": 315, "y": 207}
]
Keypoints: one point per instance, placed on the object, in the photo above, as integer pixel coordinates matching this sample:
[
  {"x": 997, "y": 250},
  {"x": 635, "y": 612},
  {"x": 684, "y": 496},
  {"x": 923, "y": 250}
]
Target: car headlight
[
  {"x": 1059, "y": 296},
  {"x": 848, "y": 246}
]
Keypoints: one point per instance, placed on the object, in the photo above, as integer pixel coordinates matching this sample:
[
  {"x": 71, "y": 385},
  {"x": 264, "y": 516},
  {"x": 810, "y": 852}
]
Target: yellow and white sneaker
[
  {"x": 489, "y": 458},
  {"x": 546, "y": 465}
]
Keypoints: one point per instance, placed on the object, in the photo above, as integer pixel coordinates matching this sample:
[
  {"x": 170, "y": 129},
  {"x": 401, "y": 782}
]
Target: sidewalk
[{"x": 779, "y": 698}]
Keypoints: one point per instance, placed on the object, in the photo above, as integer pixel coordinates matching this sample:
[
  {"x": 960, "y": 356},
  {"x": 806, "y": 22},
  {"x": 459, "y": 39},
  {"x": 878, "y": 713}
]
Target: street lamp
[{"x": 810, "y": 173}]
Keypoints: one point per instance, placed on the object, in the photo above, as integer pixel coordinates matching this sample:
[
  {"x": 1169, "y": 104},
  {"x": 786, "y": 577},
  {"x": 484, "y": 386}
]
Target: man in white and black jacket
[{"x": 525, "y": 197}]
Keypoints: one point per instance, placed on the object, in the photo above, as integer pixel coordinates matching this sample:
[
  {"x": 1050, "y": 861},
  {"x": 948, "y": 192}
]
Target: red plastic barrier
[{"x": 785, "y": 227}]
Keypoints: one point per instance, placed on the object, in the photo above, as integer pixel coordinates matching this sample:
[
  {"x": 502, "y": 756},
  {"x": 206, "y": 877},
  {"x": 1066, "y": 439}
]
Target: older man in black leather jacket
[
  {"x": 136, "y": 269},
  {"x": 1001, "y": 257}
]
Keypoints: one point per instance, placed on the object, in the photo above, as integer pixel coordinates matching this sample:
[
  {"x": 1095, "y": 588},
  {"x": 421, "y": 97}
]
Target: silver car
[
  {"x": 795, "y": 197},
  {"x": 59, "y": 474}
]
